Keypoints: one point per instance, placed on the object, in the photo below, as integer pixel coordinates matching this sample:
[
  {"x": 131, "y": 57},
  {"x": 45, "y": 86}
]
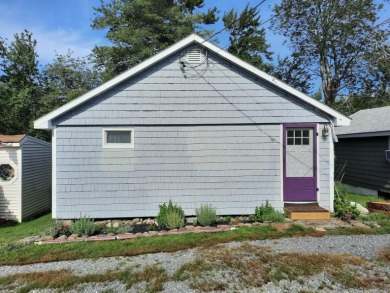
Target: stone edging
[{"x": 103, "y": 237}]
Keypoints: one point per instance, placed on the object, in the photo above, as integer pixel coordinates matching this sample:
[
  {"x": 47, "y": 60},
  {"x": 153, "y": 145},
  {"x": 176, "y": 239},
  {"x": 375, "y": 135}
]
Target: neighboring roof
[
  {"x": 19, "y": 139},
  {"x": 369, "y": 122},
  {"x": 45, "y": 122},
  {"x": 12, "y": 138}
]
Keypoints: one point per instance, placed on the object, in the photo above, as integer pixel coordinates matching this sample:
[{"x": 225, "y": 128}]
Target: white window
[{"x": 118, "y": 138}]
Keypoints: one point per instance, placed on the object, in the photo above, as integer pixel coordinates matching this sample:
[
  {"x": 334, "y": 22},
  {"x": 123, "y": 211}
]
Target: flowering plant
[{"x": 58, "y": 229}]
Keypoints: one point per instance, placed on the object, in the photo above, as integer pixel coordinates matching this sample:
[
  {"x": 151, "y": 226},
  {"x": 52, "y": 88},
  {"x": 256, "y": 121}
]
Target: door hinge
[
  {"x": 317, "y": 133},
  {"x": 318, "y": 189}
]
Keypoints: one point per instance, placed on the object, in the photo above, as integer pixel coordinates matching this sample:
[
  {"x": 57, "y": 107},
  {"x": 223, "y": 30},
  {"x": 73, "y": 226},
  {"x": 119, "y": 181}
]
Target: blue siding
[
  {"x": 234, "y": 168},
  {"x": 36, "y": 178},
  {"x": 204, "y": 135},
  {"x": 214, "y": 93}
]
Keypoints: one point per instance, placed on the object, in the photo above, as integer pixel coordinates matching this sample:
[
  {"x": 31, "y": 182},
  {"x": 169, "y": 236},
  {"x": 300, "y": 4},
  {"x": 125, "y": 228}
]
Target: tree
[
  {"x": 292, "y": 71},
  {"x": 20, "y": 84},
  {"x": 247, "y": 38},
  {"x": 139, "y": 29},
  {"x": 333, "y": 37},
  {"x": 68, "y": 77}
]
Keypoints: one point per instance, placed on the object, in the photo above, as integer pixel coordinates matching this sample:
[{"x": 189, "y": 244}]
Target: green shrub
[
  {"x": 163, "y": 213},
  {"x": 266, "y": 212},
  {"x": 342, "y": 207},
  {"x": 174, "y": 220},
  {"x": 84, "y": 226},
  {"x": 206, "y": 215}
]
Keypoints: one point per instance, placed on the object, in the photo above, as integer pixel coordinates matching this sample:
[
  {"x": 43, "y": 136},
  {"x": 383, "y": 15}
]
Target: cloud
[{"x": 51, "y": 36}]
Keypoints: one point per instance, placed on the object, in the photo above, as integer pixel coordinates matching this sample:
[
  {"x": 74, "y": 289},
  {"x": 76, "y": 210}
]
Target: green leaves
[
  {"x": 334, "y": 37},
  {"x": 139, "y": 29},
  {"x": 247, "y": 38}
]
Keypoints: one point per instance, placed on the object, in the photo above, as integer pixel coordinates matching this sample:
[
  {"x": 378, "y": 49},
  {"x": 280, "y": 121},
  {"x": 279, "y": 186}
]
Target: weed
[
  {"x": 256, "y": 266},
  {"x": 206, "y": 215},
  {"x": 153, "y": 276},
  {"x": 342, "y": 207},
  {"x": 384, "y": 255},
  {"x": 266, "y": 212}
]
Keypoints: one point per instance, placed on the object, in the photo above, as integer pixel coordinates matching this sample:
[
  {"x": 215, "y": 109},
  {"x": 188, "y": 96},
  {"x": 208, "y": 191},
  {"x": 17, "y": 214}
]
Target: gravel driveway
[{"x": 364, "y": 246}]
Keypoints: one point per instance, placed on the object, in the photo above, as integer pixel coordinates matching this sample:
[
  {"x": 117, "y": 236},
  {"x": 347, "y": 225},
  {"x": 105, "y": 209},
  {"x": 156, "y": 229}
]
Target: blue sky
[{"x": 61, "y": 25}]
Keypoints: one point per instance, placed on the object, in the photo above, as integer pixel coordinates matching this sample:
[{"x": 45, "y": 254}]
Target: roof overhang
[
  {"x": 45, "y": 122},
  {"x": 364, "y": 134}
]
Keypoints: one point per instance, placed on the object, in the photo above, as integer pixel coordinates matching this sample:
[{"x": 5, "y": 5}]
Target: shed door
[{"x": 300, "y": 170}]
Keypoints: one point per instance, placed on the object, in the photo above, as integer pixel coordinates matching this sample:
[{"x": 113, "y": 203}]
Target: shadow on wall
[{"x": 5, "y": 211}]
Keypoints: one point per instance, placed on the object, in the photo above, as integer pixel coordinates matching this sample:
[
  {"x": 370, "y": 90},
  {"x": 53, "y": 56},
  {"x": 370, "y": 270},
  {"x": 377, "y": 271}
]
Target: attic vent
[{"x": 194, "y": 55}]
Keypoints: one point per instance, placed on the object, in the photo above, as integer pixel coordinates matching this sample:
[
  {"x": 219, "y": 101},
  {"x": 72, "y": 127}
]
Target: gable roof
[
  {"x": 45, "y": 122},
  {"x": 12, "y": 138},
  {"x": 368, "y": 122}
]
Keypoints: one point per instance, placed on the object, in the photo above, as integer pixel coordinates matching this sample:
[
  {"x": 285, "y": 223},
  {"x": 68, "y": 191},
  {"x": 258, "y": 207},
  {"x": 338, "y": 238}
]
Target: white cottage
[
  {"x": 25, "y": 177},
  {"x": 193, "y": 124}
]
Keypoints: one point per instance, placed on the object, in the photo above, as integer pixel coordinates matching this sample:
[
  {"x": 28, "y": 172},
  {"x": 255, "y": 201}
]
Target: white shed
[{"x": 25, "y": 176}]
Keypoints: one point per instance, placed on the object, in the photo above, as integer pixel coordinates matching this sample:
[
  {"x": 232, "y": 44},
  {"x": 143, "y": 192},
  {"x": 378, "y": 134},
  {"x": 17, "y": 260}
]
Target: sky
[{"x": 59, "y": 26}]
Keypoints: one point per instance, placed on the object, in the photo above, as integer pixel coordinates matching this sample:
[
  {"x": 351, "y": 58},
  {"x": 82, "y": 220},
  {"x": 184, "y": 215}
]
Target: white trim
[
  {"x": 54, "y": 174},
  {"x": 281, "y": 164},
  {"x": 317, "y": 136},
  {"x": 20, "y": 169},
  {"x": 45, "y": 122},
  {"x": 331, "y": 175},
  {"x": 16, "y": 169},
  {"x": 10, "y": 145},
  {"x": 107, "y": 145}
]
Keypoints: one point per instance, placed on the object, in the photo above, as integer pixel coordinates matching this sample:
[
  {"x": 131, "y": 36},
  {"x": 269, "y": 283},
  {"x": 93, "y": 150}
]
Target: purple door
[{"x": 300, "y": 162}]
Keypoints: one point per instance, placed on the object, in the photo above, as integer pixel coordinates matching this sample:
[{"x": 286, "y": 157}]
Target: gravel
[{"x": 366, "y": 246}]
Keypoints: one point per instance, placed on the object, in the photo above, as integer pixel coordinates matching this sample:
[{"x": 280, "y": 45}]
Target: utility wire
[{"x": 233, "y": 22}]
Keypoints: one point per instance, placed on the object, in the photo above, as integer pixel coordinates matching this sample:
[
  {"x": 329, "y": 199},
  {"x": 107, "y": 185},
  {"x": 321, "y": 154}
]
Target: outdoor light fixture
[{"x": 325, "y": 131}]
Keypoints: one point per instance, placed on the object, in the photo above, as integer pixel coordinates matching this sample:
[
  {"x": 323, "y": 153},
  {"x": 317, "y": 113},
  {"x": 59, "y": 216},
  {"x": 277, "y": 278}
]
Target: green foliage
[
  {"x": 247, "y": 38},
  {"x": 266, "y": 212},
  {"x": 206, "y": 215},
  {"x": 382, "y": 219},
  {"x": 174, "y": 220},
  {"x": 292, "y": 71},
  {"x": 20, "y": 81},
  {"x": 84, "y": 226},
  {"x": 68, "y": 77},
  {"x": 337, "y": 40},
  {"x": 342, "y": 208},
  {"x": 165, "y": 210},
  {"x": 58, "y": 229},
  {"x": 139, "y": 29},
  {"x": 119, "y": 230}
]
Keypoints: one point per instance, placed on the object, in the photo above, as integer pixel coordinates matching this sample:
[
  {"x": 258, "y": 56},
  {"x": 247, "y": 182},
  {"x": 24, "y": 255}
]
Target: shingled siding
[
  {"x": 366, "y": 165},
  {"x": 209, "y": 134},
  {"x": 232, "y": 167},
  {"x": 213, "y": 93}
]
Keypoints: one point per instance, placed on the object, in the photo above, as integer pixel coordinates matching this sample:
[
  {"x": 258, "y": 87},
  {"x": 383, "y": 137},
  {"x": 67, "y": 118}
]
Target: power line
[{"x": 233, "y": 22}]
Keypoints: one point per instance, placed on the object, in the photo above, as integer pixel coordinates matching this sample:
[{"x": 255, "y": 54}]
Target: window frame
[
  {"x": 107, "y": 145},
  {"x": 13, "y": 166}
]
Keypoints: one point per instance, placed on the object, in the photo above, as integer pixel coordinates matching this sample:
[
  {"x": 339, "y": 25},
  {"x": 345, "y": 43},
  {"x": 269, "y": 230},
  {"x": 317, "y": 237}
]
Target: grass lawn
[
  {"x": 12, "y": 255},
  {"x": 11, "y": 234},
  {"x": 362, "y": 199}
]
